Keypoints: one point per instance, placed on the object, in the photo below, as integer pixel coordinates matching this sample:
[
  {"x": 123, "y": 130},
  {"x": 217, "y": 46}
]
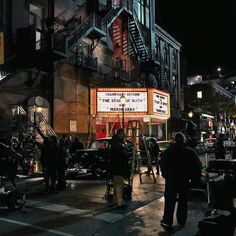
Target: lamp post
[
  {"x": 122, "y": 101},
  {"x": 190, "y": 114},
  {"x": 219, "y": 72}
]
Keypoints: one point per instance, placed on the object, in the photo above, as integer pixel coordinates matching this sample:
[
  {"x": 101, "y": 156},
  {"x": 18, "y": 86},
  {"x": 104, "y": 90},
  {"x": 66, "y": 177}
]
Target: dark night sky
[{"x": 206, "y": 29}]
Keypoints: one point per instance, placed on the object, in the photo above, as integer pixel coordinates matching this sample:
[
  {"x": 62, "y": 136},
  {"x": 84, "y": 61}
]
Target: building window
[
  {"x": 165, "y": 57},
  {"x": 174, "y": 81},
  {"x": 1, "y": 12},
  {"x": 147, "y": 11},
  {"x": 199, "y": 94},
  {"x": 116, "y": 3},
  {"x": 36, "y": 16},
  {"x": 174, "y": 61},
  {"x": 105, "y": 4},
  {"x": 143, "y": 12},
  {"x": 157, "y": 49}
]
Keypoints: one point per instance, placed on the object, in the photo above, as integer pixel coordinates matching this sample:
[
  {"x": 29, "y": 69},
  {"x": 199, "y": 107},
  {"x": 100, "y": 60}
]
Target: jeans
[{"x": 118, "y": 187}]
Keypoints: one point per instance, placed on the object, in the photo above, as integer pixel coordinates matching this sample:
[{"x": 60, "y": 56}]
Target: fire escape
[
  {"x": 95, "y": 27},
  {"x": 134, "y": 46},
  {"x": 137, "y": 48},
  {"x": 74, "y": 29},
  {"x": 24, "y": 123},
  {"x": 31, "y": 63}
]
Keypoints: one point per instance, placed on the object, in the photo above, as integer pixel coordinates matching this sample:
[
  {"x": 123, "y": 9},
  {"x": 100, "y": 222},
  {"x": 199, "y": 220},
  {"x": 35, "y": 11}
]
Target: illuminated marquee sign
[
  {"x": 160, "y": 103},
  {"x": 110, "y": 101},
  {"x": 139, "y": 101}
]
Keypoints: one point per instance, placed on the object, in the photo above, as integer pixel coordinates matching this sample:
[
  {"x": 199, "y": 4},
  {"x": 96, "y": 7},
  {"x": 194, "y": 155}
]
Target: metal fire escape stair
[
  {"x": 65, "y": 39},
  {"x": 5, "y": 72},
  {"x": 162, "y": 80},
  {"x": 112, "y": 15},
  {"x": 138, "y": 46},
  {"x": 39, "y": 119},
  {"x": 222, "y": 91}
]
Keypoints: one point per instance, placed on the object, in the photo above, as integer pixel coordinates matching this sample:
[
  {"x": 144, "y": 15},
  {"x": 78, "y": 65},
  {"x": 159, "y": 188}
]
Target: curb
[{"x": 30, "y": 185}]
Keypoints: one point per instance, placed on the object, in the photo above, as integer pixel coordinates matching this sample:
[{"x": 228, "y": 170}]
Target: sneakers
[{"x": 166, "y": 225}]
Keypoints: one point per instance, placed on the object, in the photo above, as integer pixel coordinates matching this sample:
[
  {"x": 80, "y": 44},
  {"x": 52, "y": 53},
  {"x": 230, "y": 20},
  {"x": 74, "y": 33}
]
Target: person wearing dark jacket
[
  {"x": 76, "y": 144},
  {"x": 49, "y": 173},
  {"x": 180, "y": 165},
  {"x": 119, "y": 165},
  {"x": 154, "y": 150},
  {"x": 219, "y": 147},
  {"x": 59, "y": 153}
]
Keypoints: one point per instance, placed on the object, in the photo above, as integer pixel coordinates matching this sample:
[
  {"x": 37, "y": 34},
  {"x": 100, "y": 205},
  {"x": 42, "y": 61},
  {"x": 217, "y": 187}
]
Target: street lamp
[
  {"x": 190, "y": 114},
  {"x": 219, "y": 72},
  {"x": 122, "y": 101}
]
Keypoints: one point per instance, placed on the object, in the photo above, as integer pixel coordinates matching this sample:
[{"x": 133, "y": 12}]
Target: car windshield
[
  {"x": 99, "y": 144},
  {"x": 209, "y": 141},
  {"x": 163, "y": 144}
]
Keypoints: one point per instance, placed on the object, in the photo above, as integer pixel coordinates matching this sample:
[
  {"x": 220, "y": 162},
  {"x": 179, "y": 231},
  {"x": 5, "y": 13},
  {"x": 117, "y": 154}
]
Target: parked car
[
  {"x": 163, "y": 145},
  {"x": 209, "y": 144},
  {"x": 94, "y": 160},
  {"x": 201, "y": 149}
]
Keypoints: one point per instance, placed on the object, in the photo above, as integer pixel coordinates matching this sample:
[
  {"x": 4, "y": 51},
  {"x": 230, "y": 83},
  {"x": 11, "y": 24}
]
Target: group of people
[
  {"x": 179, "y": 164},
  {"x": 54, "y": 154}
]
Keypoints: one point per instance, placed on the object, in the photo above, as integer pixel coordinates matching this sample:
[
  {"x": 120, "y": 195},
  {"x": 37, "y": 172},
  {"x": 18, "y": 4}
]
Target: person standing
[
  {"x": 76, "y": 144},
  {"x": 219, "y": 147},
  {"x": 119, "y": 165},
  {"x": 49, "y": 174},
  {"x": 154, "y": 150},
  {"x": 60, "y": 156},
  {"x": 180, "y": 165}
]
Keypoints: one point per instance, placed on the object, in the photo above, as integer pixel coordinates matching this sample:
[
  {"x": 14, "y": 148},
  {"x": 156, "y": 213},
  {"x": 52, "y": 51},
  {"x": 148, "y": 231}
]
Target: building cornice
[{"x": 167, "y": 37}]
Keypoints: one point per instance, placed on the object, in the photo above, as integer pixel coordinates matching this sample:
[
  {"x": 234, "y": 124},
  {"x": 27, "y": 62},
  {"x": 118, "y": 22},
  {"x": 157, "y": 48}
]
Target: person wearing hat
[{"x": 180, "y": 165}]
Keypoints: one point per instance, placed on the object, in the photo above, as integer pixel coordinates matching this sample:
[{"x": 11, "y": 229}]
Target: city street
[
  {"x": 83, "y": 210},
  {"x": 85, "y": 85}
]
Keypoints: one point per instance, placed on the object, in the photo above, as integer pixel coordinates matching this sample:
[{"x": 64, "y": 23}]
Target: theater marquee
[{"x": 139, "y": 102}]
